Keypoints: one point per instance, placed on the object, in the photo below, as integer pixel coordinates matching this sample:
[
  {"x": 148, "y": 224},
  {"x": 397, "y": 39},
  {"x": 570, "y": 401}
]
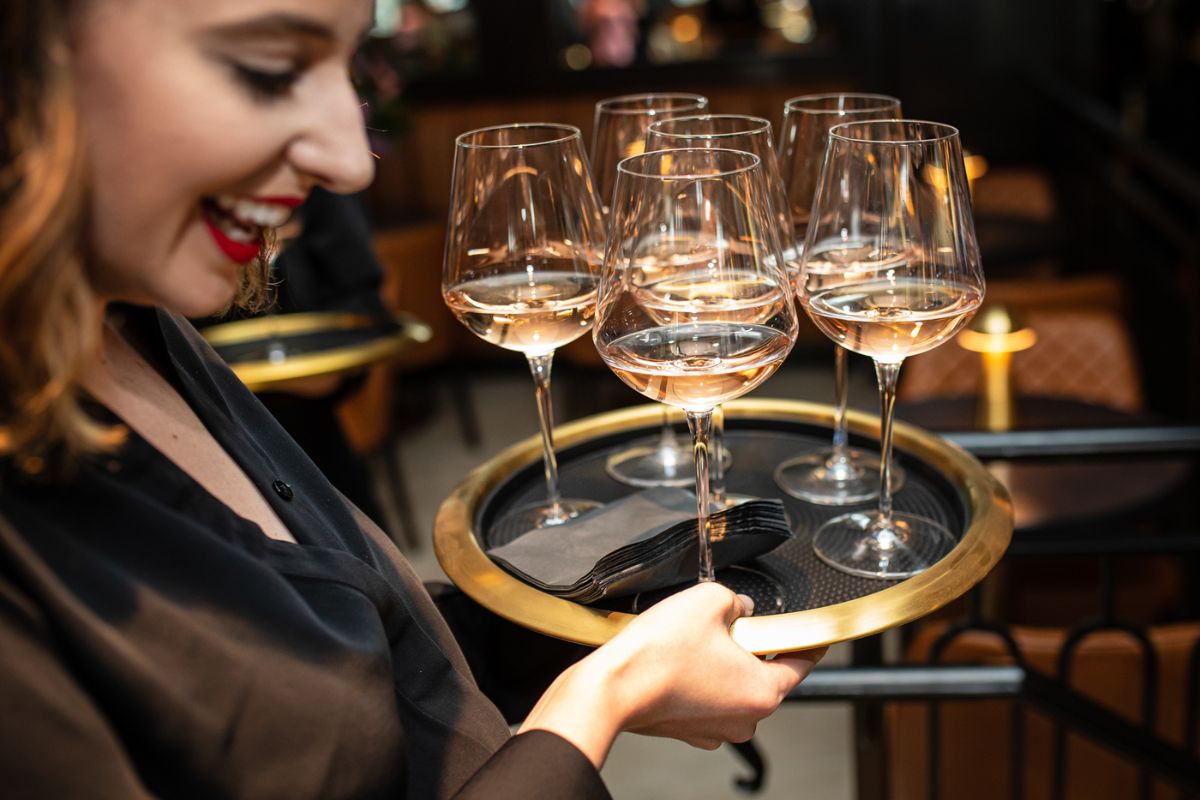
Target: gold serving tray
[
  {"x": 989, "y": 529},
  {"x": 262, "y": 375}
]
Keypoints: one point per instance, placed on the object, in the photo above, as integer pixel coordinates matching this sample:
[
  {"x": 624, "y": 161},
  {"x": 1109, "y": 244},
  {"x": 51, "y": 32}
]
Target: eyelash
[{"x": 266, "y": 85}]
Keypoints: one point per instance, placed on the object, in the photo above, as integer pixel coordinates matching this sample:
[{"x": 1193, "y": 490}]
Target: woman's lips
[
  {"x": 237, "y": 224},
  {"x": 239, "y": 252}
]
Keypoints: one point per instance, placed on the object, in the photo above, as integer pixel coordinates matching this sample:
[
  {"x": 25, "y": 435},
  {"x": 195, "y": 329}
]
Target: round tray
[
  {"x": 269, "y": 352},
  {"x": 823, "y": 605}
]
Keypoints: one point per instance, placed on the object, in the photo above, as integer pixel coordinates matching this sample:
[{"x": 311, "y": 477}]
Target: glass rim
[
  {"x": 886, "y": 101},
  {"x": 628, "y": 165},
  {"x": 566, "y": 133},
  {"x": 938, "y": 131},
  {"x": 762, "y": 125},
  {"x": 612, "y": 105}
]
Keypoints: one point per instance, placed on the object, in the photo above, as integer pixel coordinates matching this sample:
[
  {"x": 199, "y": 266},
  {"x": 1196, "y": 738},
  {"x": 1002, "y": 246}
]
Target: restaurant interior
[{"x": 1073, "y": 669}]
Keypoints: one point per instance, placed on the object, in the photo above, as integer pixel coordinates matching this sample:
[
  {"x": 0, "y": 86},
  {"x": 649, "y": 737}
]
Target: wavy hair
[{"x": 49, "y": 324}]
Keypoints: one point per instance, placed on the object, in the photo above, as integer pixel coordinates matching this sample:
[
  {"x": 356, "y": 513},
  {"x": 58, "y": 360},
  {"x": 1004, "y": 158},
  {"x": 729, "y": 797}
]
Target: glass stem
[
  {"x": 886, "y": 373},
  {"x": 841, "y": 402},
  {"x": 716, "y": 481},
  {"x": 540, "y": 367},
  {"x": 701, "y": 424}
]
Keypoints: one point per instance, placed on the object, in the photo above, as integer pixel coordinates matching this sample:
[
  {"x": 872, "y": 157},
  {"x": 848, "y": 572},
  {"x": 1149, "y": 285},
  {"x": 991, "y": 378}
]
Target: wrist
[{"x": 584, "y": 706}]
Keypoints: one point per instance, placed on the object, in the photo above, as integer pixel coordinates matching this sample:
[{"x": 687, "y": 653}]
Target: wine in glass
[
  {"x": 522, "y": 263},
  {"x": 619, "y": 131},
  {"x": 711, "y": 205},
  {"x": 835, "y": 475},
  {"x": 730, "y": 132},
  {"x": 890, "y": 269}
]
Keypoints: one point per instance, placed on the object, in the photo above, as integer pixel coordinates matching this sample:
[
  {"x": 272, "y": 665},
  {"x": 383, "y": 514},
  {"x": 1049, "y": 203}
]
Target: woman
[{"x": 187, "y": 608}]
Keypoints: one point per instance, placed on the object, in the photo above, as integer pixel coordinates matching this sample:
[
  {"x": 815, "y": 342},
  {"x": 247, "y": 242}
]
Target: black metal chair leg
[
  {"x": 409, "y": 538},
  {"x": 749, "y": 752},
  {"x": 462, "y": 399}
]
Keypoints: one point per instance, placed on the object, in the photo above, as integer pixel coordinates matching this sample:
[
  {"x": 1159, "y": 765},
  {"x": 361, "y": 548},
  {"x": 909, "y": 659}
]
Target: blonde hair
[{"x": 48, "y": 309}]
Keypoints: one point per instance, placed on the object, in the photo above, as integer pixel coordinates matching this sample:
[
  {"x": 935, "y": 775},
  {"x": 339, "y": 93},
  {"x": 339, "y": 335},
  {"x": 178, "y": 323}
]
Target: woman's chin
[{"x": 203, "y": 301}]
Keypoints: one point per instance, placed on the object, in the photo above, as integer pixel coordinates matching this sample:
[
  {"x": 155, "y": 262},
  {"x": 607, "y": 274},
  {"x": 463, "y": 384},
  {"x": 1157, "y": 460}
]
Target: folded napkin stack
[{"x": 641, "y": 542}]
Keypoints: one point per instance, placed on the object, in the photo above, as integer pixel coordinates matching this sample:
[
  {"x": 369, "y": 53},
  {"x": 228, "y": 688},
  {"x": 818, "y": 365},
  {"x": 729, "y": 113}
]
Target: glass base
[
  {"x": 662, "y": 463},
  {"x": 819, "y": 478},
  {"x": 540, "y": 515},
  {"x": 862, "y": 544},
  {"x": 766, "y": 592}
]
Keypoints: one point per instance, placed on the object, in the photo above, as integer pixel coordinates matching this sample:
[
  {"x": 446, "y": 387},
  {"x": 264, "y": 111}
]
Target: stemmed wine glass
[
  {"x": 890, "y": 269},
  {"x": 522, "y": 263},
  {"x": 835, "y": 475},
  {"x": 706, "y": 207},
  {"x": 619, "y": 131},
  {"x": 730, "y": 132}
]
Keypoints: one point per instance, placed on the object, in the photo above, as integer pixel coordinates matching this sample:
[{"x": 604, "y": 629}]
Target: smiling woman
[
  {"x": 195, "y": 161},
  {"x": 187, "y": 606}
]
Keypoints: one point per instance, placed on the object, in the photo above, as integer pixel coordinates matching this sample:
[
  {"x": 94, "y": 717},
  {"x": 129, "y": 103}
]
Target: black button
[{"x": 283, "y": 490}]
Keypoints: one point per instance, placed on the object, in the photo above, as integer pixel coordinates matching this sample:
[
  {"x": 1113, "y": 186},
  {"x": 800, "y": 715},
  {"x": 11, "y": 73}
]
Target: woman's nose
[{"x": 333, "y": 150}]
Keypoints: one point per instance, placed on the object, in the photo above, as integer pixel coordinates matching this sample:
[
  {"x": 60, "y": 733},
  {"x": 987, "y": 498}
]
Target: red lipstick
[
  {"x": 239, "y": 252},
  {"x": 290, "y": 202}
]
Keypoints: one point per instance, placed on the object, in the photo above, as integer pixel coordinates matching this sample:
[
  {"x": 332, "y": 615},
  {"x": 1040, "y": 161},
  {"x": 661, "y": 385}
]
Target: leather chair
[
  {"x": 974, "y": 755},
  {"x": 1083, "y": 352}
]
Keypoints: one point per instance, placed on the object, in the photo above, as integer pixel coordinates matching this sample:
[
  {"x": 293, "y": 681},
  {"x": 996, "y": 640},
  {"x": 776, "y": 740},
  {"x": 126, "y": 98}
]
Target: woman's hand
[{"x": 674, "y": 671}]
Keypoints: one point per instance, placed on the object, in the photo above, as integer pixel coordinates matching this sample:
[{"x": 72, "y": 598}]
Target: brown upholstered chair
[
  {"x": 1083, "y": 353},
  {"x": 1083, "y": 350},
  {"x": 974, "y": 750}
]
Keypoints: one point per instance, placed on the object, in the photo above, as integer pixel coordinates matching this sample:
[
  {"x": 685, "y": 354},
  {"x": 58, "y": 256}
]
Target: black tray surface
[{"x": 758, "y": 446}]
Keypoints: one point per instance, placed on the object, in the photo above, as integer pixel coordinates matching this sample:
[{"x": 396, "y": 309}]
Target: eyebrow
[{"x": 276, "y": 25}]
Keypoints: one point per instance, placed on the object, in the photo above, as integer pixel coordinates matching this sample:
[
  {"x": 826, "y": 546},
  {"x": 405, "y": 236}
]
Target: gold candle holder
[{"x": 996, "y": 333}]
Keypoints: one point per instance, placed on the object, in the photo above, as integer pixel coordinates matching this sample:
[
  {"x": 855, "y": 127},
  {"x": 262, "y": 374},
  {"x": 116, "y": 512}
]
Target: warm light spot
[
  {"x": 524, "y": 169},
  {"x": 577, "y": 57},
  {"x": 685, "y": 28},
  {"x": 798, "y": 28}
]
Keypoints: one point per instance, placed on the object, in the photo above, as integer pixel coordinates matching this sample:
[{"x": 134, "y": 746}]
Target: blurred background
[{"x": 1081, "y": 115}]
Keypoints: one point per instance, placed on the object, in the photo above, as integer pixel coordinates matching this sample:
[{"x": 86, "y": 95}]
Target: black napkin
[{"x": 640, "y": 542}]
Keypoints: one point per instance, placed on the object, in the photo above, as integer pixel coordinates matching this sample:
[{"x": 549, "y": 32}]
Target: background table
[{"x": 272, "y": 351}]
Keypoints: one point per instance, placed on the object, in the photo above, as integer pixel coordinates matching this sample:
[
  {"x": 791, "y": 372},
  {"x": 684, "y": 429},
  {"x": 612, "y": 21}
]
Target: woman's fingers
[{"x": 791, "y": 668}]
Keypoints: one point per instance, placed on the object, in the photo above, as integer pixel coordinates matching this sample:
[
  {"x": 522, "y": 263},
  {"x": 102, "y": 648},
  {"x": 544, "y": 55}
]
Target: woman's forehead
[{"x": 341, "y": 19}]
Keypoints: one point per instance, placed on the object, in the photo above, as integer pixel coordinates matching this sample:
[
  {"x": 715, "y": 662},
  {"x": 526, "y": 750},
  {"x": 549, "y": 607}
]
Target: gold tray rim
[
  {"x": 983, "y": 544},
  {"x": 261, "y": 375}
]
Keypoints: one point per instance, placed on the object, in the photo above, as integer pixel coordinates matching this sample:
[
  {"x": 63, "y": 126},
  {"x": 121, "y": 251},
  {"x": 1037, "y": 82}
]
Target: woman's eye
[{"x": 266, "y": 85}]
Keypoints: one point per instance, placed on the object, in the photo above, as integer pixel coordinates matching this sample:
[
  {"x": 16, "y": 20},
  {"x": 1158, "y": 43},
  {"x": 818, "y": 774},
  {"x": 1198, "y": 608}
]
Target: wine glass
[
  {"x": 522, "y": 263},
  {"x": 835, "y": 475},
  {"x": 619, "y": 131},
  {"x": 731, "y": 132},
  {"x": 890, "y": 269},
  {"x": 695, "y": 204}
]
